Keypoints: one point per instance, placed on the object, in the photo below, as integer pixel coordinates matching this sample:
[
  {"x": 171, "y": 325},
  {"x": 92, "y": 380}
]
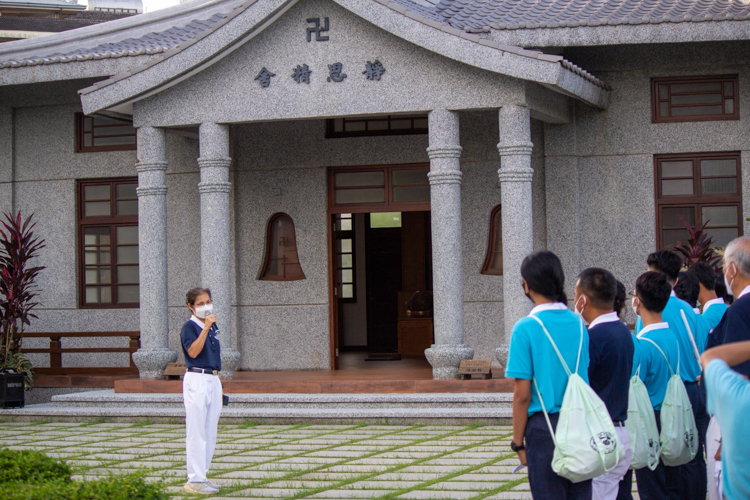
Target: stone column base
[
  {"x": 230, "y": 360},
  {"x": 151, "y": 362},
  {"x": 501, "y": 353},
  {"x": 445, "y": 359}
]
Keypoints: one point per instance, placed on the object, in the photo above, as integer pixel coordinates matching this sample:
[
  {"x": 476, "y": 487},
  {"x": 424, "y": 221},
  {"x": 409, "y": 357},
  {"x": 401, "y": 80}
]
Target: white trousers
[
  {"x": 605, "y": 487},
  {"x": 202, "y": 395},
  {"x": 713, "y": 439}
]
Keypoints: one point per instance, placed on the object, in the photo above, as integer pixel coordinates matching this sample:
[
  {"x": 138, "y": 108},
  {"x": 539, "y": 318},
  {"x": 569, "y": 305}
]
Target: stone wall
[{"x": 600, "y": 169}]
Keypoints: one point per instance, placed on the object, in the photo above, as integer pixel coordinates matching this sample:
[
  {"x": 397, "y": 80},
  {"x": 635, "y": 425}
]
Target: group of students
[{"x": 708, "y": 347}]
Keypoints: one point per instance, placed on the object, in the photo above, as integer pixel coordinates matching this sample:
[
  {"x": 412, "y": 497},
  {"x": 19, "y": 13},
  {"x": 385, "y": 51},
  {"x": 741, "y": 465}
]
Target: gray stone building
[{"x": 253, "y": 146}]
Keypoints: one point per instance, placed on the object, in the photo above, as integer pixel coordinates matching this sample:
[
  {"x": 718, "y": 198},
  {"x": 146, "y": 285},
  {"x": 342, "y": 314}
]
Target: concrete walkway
[{"x": 297, "y": 461}]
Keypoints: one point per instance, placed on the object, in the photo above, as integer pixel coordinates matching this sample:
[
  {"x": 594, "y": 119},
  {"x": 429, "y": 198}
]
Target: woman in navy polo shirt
[
  {"x": 201, "y": 389},
  {"x": 531, "y": 356}
]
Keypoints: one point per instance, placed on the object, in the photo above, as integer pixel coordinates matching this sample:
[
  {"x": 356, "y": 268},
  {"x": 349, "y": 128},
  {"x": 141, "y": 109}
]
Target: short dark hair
[
  {"x": 620, "y": 298},
  {"x": 599, "y": 285},
  {"x": 687, "y": 288},
  {"x": 653, "y": 289},
  {"x": 705, "y": 274},
  {"x": 666, "y": 262},
  {"x": 544, "y": 275},
  {"x": 194, "y": 293}
]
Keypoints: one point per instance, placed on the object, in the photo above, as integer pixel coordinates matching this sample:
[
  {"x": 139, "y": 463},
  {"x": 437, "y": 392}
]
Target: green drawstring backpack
[
  {"x": 679, "y": 434},
  {"x": 641, "y": 426},
  {"x": 586, "y": 444}
]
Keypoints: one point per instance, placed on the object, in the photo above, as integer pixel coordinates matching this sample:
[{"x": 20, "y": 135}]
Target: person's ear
[{"x": 525, "y": 286}]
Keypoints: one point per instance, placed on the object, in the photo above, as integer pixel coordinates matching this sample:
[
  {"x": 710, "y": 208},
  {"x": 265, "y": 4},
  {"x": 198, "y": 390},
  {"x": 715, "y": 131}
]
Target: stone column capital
[
  {"x": 453, "y": 177},
  {"x": 444, "y": 151},
  {"x": 220, "y": 161},
  {"x": 214, "y": 187},
  {"x": 151, "y": 166},
  {"x": 519, "y": 149},
  {"x": 151, "y": 191},
  {"x": 515, "y": 175}
]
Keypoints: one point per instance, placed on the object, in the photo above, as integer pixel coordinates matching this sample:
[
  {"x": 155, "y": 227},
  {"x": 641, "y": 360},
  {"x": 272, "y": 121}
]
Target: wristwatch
[{"x": 516, "y": 447}]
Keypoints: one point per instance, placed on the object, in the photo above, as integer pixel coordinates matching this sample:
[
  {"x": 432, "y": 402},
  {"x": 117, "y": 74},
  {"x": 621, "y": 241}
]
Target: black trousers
[
  {"x": 661, "y": 483},
  {"x": 693, "y": 473},
  {"x": 544, "y": 482}
]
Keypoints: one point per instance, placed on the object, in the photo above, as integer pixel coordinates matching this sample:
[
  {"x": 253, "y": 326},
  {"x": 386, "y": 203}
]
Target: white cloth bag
[
  {"x": 679, "y": 434},
  {"x": 586, "y": 444},
  {"x": 641, "y": 426}
]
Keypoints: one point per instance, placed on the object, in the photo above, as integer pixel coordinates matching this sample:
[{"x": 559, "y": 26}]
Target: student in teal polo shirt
[
  {"x": 729, "y": 402},
  {"x": 532, "y": 356},
  {"x": 680, "y": 317},
  {"x": 650, "y": 298}
]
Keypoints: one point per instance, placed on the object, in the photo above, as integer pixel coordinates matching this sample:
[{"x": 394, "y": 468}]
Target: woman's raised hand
[{"x": 210, "y": 320}]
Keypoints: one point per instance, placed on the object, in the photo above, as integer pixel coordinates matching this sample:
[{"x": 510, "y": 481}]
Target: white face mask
[
  {"x": 634, "y": 305},
  {"x": 729, "y": 284},
  {"x": 580, "y": 313},
  {"x": 204, "y": 311}
]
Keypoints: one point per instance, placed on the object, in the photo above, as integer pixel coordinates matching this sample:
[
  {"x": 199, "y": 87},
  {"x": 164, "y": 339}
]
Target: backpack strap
[
  {"x": 692, "y": 340},
  {"x": 665, "y": 356},
  {"x": 565, "y": 365},
  {"x": 557, "y": 351}
]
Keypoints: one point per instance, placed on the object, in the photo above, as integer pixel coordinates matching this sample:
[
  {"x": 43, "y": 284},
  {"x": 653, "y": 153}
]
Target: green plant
[
  {"x": 31, "y": 466},
  {"x": 699, "y": 246},
  {"x": 113, "y": 487},
  {"x": 17, "y": 290}
]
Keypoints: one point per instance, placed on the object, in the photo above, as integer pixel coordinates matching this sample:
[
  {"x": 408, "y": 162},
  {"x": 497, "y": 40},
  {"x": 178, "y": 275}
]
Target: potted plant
[
  {"x": 17, "y": 293},
  {"x": 699, "y": 247},
  {"x": 419, "y": 305}
]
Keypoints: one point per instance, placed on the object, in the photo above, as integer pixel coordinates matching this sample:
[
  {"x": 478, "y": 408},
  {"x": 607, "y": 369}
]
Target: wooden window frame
[
  {"x": 696, "y": 200},
  {"x": 388, "y": 205},
  {"x": 111, "y": 221},
  {"x": 495, "y": 219},
  {"x": 268, "y": 251},
  {"x": 657, "y": 118},
  {"x": 331, "y": 132},
  {"x": 81, "y": 148},
  {"x": 342, "y": 235}
]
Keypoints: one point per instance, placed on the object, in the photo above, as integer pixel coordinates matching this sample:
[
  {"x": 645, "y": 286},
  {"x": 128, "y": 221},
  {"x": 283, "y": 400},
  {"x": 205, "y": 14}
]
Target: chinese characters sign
[{"x": 302, "y": 73}]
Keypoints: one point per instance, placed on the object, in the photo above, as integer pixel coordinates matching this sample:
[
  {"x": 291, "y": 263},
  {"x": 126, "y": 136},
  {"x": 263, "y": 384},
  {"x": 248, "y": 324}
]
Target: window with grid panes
[
  {"x": 698, "y": 98},
  {"x": 698, "y": 188},
  {"x": 345, "y": 271},
  {"x": 404, "y": 187},
  {"x": 379, "y": 125},
  {"x": 99, "y": 133},
  {"x": 108, "y": 243}
]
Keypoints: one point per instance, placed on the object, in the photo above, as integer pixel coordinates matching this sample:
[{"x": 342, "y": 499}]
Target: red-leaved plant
[
  {"x": 699, "y": 246},
  {"x": 18, "y": 247}
]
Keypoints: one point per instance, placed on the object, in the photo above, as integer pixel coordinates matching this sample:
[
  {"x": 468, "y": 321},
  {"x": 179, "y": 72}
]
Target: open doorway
[{"x": 380, "y": 257}]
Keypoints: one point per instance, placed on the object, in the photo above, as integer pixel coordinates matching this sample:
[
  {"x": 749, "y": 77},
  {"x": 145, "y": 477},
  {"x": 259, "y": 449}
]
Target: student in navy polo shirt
[
  {"x": 651, "y": 296},
  {"x": 201, "y": 389},
  {"x": 734, "y": 326},
  {"x": 610, "y": 363},
  {"x": 677, "y": 314},
  {"x": 531, "y": 356}
]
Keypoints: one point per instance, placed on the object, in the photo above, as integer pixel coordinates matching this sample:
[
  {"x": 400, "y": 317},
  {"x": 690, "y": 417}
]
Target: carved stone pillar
[
  {"x": 445, "y": 195},
  {"x": 154, "y": 354},
  {"x": 216, "y": 268},
  {"x": 515, "y": 175}
]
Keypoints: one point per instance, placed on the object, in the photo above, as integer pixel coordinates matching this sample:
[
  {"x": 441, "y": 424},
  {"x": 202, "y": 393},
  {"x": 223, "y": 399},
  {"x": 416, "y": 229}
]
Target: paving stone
[
  {"x": 510, "y": 495},
  {"x": 350, "y": 494},
  {"x": 253, "y": 474},
  {"x": 486, "y": 477},
  {"x": 466, "y": 485},
  {"x": 433, "y": 494},
  {"x": 400, "y": 476},
  {"x": 264, "y": 493},
  {"x": 381, "y": 485}
]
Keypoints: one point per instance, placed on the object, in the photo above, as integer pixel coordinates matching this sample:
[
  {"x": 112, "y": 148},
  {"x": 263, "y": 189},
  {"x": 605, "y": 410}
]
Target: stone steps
[{"x": 278, "y": 408}]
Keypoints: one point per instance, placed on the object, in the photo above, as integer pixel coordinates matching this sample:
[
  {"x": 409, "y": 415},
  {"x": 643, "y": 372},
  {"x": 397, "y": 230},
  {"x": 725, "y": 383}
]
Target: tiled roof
[
  {"x": 51, "y": 24},
  {"x": 486, "y": 15},
  {"x": 152, "y": 43}
]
